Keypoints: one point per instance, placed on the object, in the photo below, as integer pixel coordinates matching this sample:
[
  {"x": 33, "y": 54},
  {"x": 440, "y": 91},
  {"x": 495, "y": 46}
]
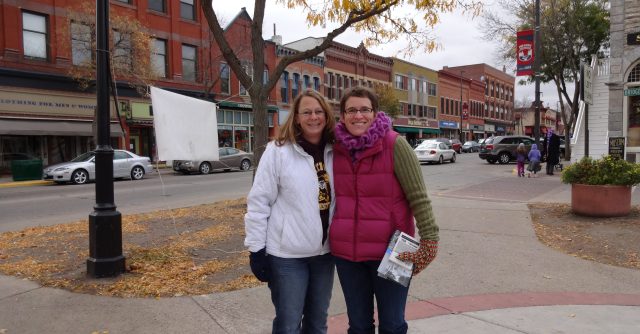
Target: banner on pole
[{"x": 524, "y": 49}]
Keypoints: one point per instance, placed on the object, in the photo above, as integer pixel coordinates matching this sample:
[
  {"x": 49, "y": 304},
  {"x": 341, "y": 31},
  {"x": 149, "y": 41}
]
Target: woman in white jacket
[{"x": 289, "y": 209}]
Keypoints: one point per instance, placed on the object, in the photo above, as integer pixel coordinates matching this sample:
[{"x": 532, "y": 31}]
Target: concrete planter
[{"x": 600, "y": 200}]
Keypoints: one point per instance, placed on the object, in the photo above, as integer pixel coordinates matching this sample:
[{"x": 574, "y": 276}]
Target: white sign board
[
  {"x": 588, "y": 84},
  {"x": 186, "y": 128}
]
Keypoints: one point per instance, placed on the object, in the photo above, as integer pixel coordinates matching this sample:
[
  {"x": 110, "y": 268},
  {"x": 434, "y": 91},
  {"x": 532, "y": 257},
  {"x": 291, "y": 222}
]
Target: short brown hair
[
  {"x": 291, "y": 130},
  {"x": 359, "y": 91}
]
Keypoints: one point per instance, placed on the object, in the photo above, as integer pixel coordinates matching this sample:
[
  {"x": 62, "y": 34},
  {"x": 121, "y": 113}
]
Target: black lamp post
[
  {"x": 460, "y": 110},
  {"x": 105, "y": 223},
  {"x": 536, "y": 70}
]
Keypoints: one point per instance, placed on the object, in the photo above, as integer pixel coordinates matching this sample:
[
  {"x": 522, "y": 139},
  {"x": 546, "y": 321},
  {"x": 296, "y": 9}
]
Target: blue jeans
[
  {"x": 360, "y": 283},
  {"x": 301, "y": 292}
]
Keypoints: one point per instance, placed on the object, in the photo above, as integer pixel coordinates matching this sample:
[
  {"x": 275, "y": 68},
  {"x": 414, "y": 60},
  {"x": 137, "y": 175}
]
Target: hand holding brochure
[{"x": 391, "y": 267}]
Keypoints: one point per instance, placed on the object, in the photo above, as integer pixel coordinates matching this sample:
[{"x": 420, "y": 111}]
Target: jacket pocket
[{"x": 300, "y": 237}]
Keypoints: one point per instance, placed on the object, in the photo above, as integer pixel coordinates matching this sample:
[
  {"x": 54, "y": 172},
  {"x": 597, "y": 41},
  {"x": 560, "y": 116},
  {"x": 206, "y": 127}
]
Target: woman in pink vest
[{"x": 379, "y": 189}]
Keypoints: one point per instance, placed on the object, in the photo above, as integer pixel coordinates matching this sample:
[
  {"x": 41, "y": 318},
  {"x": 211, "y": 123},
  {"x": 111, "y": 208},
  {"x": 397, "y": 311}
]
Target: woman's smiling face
[
  {"x": 312, "y": 119},
  {"x": 358, "y": 115}
]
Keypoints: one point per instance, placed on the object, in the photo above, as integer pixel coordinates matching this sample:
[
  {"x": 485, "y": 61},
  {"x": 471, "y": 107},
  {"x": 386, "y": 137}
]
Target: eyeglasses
[
  {"x": 308, "y": 113},
  {"x": 363, "y": 111}
]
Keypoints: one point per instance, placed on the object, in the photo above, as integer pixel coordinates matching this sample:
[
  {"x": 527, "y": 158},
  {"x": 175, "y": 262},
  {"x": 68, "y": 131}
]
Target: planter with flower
[{"x": 601, "y": 188}]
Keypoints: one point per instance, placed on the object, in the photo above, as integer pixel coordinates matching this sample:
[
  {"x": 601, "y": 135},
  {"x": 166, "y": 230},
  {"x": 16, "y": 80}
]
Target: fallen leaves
[
  {"x": 186, "y": 251},
  {"x": 607, "y": 240}
]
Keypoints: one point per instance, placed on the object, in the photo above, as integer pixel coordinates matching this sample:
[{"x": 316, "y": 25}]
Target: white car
[
  {"x": 82, "y": 168},
  {"x": 432, "y": 151}
]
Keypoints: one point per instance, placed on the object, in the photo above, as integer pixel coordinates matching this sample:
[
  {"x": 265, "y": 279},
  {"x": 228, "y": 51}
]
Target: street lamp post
[
  {"x": 105, "y": 222},
  {"x": 460, "y": 110}
]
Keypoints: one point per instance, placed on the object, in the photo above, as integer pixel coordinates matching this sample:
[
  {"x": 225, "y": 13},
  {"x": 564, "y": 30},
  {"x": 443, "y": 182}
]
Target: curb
[{"x": 25, "y": 183}]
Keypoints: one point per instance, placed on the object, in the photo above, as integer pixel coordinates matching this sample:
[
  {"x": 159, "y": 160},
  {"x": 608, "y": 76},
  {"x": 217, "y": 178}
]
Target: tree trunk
[{"x": 260, "y": 127}]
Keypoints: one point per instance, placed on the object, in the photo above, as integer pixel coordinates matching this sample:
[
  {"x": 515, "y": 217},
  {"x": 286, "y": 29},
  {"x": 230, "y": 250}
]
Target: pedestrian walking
[
  {"x": 289, "y": 209},
  {"x": 534, "y": 160},
  {"x": 379, "y": 188},
  {"x": 521, "y": 157},
  {"x": 551, "y": 147}
]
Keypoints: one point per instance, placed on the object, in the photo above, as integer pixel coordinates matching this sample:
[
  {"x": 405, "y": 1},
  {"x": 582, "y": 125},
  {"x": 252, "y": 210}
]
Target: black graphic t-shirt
[{"x": 324, "y": 193}]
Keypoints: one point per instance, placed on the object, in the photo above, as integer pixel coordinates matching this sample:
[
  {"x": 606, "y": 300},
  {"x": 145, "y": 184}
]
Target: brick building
[
  {"x": 46, "y": 114},
  {"x": 498, "y": 96},
  {"x": 297, "y": 77},
  {"x": 347, "y": 66},
  {"x": 454, "y": 94},
  {"x": 235, "y": 114},
  {"x": 416, "y": 88}
]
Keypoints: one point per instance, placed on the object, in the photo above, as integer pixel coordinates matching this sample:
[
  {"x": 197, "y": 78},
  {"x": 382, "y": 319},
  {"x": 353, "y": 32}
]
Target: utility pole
[
  {"x": 460, "y": 109},
  {"x": 105, "y": 223},
  {"x": 536, "y": 70}
]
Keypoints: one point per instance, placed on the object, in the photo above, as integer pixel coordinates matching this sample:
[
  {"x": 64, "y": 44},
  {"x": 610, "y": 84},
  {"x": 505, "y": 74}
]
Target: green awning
[{"x": 407, "y": 129}]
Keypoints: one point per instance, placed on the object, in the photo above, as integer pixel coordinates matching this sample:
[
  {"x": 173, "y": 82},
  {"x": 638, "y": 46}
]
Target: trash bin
[{"x": 25, "y": 170}]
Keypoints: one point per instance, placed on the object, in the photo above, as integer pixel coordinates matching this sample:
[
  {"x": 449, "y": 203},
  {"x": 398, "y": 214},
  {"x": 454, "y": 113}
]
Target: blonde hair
[
  {"x": 521, "y": 148},
  {"x": 291, "y": 130}
]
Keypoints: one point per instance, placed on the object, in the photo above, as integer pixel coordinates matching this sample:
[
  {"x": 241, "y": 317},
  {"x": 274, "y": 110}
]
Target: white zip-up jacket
[{"x": 282, "y": 207}]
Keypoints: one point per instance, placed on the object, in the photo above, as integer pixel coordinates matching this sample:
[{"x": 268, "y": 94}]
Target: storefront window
[
  {"x": 242, "y": 138},
  {"x": 245, "y": 118},
  {"x": 225, "y": 138},
  {"x": 228, "y": 117},
  {"x": 220, "y": 116}
]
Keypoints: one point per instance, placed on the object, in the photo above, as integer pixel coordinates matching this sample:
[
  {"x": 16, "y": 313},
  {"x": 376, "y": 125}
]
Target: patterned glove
[
  {"x": 260, "y": 265},
  {"x": 422, "y": 257}
]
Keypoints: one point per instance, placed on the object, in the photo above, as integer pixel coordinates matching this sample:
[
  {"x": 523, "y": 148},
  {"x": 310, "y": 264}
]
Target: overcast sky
[{"x": 460, "y": 38}]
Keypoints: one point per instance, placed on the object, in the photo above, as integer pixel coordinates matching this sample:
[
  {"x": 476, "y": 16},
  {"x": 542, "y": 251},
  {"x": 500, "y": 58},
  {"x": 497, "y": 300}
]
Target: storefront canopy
[
  {"x": 407, "y": 129},
  {"x": 36, "y": 127}
]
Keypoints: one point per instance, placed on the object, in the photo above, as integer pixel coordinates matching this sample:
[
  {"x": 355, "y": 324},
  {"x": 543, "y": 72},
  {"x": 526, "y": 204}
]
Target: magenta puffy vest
[{"x": 370, "y": 203}]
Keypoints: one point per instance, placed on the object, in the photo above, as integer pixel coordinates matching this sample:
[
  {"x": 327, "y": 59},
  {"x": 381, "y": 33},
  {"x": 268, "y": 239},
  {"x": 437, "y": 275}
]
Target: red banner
[{"x": 524, "y": 49}]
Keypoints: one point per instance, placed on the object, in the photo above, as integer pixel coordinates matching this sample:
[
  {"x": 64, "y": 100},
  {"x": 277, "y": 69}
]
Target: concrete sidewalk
[{"x": 491, "y": 276}]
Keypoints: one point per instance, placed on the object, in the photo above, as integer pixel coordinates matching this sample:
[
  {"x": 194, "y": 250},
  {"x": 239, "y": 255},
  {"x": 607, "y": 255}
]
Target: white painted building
[{"x": 615, "y": 111}]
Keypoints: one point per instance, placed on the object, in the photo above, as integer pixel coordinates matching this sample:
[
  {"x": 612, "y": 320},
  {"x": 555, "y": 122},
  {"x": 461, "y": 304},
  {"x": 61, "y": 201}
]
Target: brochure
[{"x": 393, "y": 268}]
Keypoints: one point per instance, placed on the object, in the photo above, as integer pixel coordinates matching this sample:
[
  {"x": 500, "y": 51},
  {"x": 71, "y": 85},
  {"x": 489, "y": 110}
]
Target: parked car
[
  {"x": 82, "y": 169},
  {"x": 230, "y": 158},
  {"x": 470, "y": 146},
  {"x": 456, "y": 145},
  {"x": 432, "y": 151},
  {"x": 503, "y": 148}
]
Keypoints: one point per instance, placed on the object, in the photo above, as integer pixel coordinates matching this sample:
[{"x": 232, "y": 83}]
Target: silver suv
[{"x": 503, "y": 148}]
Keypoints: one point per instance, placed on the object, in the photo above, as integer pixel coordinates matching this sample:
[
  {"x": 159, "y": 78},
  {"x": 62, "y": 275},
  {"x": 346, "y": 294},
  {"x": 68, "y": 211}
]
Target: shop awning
[
  {"x": 407, "y": 129},
  {"x": 38, "y": 127}
]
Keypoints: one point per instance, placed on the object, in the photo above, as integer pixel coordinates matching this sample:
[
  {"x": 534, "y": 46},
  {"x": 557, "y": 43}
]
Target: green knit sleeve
[{"x": 407, "y": 170}]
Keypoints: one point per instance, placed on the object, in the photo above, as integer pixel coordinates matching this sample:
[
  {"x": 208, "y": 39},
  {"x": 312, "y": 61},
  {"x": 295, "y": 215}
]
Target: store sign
[
  {"x": 632, "y": 92},
  {"x": 633, "y": 39},
  {"x": 28, "y": 102},
  {"x": 616, "y": 147},
  {"x": 449, "y": 124},
  {"x": 500, "y": 128},
  {"x": 417, "y": 122}
]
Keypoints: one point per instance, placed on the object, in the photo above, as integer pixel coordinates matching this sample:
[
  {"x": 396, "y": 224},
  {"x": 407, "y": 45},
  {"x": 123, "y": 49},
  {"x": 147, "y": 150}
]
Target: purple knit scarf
[{"x": 378, "y": 129}]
